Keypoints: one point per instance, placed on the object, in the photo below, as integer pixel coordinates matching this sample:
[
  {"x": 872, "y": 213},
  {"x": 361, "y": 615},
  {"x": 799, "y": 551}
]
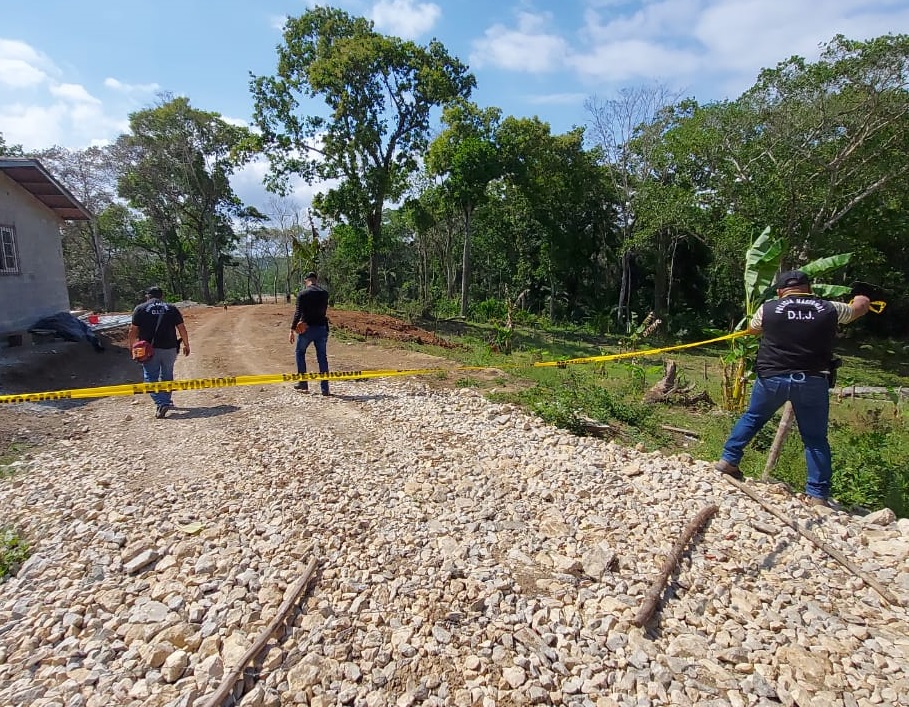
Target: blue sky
[{"x": 71, "y": 72}]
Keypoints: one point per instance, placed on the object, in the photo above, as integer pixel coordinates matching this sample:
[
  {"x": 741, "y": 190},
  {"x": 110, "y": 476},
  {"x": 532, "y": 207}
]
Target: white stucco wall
[{"x": 40, "y": 287}]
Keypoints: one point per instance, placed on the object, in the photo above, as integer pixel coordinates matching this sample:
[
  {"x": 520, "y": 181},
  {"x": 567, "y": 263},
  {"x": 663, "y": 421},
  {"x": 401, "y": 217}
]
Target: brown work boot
[
  {"x": 732, "y": 470},
  {"x": 817, "y": 501}
]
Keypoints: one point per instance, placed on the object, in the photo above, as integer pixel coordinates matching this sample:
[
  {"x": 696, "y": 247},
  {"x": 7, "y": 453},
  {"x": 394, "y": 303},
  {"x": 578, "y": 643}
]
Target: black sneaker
[
  {"x": 302, "y": 387},
  {"x": 326, "y": 393},
  {"x": 161, "y": 412}
]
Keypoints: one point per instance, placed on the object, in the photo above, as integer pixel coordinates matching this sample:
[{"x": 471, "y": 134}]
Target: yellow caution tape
[
  {"x": 876, "y": 307},
  {"x": 232, "y": 381}
]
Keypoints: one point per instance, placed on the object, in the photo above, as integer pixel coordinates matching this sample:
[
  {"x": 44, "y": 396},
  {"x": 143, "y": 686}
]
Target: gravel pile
[{"x": 468, "y": 555}]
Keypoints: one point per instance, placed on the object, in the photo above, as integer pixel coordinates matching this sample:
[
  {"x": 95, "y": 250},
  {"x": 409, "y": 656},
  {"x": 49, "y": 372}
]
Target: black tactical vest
[{"x": 799, "y": 332}]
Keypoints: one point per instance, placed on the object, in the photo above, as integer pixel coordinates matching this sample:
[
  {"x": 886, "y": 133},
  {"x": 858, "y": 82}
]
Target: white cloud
[
  {"x": 720, "y": 43},
  {"x": 530, "y": 47},
  {"x": 72, "y": 92},
  {"x": 61, "y": 122},
  {"x": 633, "y": 60},
  {"x": 41, "y": 108},
  {"x": 748, "y": 35},
  {"x": 247, "y": 183},
  {"x": 22, "y": 66},
  {"x": 405, "y": 18},
  {"x": 130, "y": 88},
  {"x": 34, "y": 127},
  {"x": 277, "y": 22},
  {"x": 239, "y": 122},
  {"x": 19, "y": 74},
  {"x": 649, "y": 20},
  {"x": 557, "y": 99}
]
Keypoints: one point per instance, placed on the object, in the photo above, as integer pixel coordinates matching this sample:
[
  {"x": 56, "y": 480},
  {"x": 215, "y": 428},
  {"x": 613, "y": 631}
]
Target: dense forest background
[{"x": 435, "y": 206}]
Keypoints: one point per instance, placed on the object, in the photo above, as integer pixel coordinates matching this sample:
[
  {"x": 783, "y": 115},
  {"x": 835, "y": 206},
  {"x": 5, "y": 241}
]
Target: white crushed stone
[{"x": 469, "y": 555}]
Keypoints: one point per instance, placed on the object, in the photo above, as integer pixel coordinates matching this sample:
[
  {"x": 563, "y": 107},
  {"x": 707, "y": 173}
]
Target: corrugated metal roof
[{"x": 31, "y": 175}]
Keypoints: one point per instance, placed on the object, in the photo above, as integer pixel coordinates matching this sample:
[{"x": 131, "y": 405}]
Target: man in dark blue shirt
[
  {"x": 311, "y": 324},
  {"x": 159, "y": 323}
]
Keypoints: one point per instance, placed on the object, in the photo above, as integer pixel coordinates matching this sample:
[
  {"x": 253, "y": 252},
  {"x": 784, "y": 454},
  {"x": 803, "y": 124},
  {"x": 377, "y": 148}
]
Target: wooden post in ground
[{"x": 779, "y": 439}]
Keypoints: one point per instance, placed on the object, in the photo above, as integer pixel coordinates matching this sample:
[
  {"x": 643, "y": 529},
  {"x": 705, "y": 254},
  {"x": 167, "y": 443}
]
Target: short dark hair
[
  {"x": 310, "y": 276},
  {"x": 792, "y": 278},
  {"x": 155, "y": 291}
]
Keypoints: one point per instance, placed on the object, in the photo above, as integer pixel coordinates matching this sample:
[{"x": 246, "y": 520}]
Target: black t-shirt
[
  {"x": 145, "y": 316},
  {"x": 799, "y": 334},
  {"x": 312, "y": 305}
]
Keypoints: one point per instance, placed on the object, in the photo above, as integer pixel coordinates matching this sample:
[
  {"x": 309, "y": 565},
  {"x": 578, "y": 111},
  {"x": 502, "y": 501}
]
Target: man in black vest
[
  {"x": 159, "y": 323},
  {"x": 311, "y": 324},
  {"x": 793, "y": 364}
]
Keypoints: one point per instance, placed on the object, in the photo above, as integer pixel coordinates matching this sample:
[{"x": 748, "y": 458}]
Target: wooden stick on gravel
[
  {"x": 888, "y": 596},
  {"x": 782, "y": 431},
  {"x": 293, "y": 596},
  {"x": 652, "y": 598}
]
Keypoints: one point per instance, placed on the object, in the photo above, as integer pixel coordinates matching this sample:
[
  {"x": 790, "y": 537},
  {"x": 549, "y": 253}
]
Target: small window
[{"x": 9, "y": 258}]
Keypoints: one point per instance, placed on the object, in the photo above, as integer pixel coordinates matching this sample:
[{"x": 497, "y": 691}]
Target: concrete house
[{"x": 33, "y": 207}]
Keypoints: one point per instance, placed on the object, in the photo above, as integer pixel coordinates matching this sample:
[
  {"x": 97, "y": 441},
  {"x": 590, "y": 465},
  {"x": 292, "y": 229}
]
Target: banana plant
[{"x": 762, "y": 262}]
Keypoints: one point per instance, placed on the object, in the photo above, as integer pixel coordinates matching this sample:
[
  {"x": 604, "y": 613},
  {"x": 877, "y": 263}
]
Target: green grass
[
  {"x": 13, "y": 452},
  {"x": 13, "y": 548},
  {"x": 13, "y": 552}
]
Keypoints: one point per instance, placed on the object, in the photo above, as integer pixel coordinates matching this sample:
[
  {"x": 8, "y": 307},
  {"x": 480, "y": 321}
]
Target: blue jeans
[
  {"x": 318, "y": 337},
  {"x": 160, "y": 367},
  {"x": 810, "y": 400}
]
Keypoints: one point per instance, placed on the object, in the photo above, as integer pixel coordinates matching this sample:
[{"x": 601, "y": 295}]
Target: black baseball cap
[
  {"x": 154, "y": 291},
  {"x": 792, "y": 278},
  {"x": 309, "y": 276}
]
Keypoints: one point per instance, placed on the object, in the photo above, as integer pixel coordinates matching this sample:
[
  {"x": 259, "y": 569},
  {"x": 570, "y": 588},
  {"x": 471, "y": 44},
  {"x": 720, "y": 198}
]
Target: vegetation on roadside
[
  {"x": 13, "y": 552},
  {"x": 13, "y": 548},
  {"x": 869, "y": 437},
  {"x": 11, "y": 453}
]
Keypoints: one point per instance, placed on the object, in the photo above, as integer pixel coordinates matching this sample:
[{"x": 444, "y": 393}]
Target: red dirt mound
[{"x": 382, "y": 326}]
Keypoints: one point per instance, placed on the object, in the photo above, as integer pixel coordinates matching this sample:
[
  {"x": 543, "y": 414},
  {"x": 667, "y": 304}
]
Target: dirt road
[
  {"x": 240, "y": 340},
  {"x": 254, "y": 340}
]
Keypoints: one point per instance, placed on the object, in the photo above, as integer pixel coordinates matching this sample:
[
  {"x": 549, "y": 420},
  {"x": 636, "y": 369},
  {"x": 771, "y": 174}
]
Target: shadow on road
[
  {"x": 192, "y": 413},
  {"x": 361, "y": 398}
]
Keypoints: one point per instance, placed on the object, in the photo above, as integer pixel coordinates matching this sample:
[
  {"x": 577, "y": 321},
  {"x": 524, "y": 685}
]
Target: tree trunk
[
  {"x": 465, "y": 263},
  {"x": 672, "y": 252},
  {"x": 661, "y": 274},
  {"x": 107, "y": 295},
  {"x": 219, "y": 280},
  {"x": 624, "y": 311},
  {"x": 374, "y": 228},
  {"x": 781, "y": 433}
]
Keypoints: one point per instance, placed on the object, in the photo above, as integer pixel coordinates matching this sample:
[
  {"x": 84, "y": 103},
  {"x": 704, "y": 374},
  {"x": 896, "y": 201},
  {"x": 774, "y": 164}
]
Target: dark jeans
[
  {"x": 318, "y": 337},
  {"x": 810, "y": 398}
]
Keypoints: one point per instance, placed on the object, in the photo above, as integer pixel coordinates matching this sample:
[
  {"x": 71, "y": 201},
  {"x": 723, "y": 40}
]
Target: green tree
[
  {"x": 378, "y": 92},
  {"x": 178, "y": 161},
  {"x": 627, "y": 128},
  {"x": 809, "y": 143},
  {"x": 466, "y": 156},
  {"x": 7, "y": 150},
  {"x": 562, "y": 210},
  {"x": 91, "y": 175}
]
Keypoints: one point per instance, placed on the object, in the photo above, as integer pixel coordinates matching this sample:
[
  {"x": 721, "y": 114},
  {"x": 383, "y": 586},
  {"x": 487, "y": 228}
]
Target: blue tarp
[{"x": 69, "y": 328}]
